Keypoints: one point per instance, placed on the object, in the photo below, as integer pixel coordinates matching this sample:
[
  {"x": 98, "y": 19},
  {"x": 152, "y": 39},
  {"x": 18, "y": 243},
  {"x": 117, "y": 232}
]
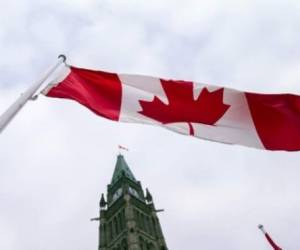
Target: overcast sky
[{"x": 57, "y": 157}]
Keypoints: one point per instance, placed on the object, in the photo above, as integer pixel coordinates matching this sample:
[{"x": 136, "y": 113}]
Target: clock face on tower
[
  {"x": 117, "y": 194},
  {"x": 133, "y": 192}
]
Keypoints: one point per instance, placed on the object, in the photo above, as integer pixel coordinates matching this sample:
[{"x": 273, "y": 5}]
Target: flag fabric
[
  {"x": 123, "y": 148},
  {"x": 265, "y": 121}
]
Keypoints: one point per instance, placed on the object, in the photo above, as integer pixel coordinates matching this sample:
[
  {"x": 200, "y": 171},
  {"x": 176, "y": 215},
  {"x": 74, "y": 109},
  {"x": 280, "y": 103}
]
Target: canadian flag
[{"x": 266, "y": 121}]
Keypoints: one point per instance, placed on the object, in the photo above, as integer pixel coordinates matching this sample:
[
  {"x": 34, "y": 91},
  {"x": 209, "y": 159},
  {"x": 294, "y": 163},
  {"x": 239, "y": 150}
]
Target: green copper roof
[{"x": 121, "y": 169}]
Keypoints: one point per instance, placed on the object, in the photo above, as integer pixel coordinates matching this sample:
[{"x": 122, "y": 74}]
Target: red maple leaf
[{"x": 208, "y": 108}]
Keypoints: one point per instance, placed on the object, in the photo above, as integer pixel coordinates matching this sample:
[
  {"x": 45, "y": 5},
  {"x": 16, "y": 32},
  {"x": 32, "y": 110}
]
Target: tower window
[
  {"x": 110, "y": 233},
  {"x": 119, "y": 221},
  {"x": 116, "y": 228}
]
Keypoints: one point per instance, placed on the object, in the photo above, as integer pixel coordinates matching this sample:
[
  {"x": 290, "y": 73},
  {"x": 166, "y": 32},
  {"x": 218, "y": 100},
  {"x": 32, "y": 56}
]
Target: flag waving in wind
[
  {"x": 266, "y": 121},
  {"x": 122, "y": 148}
]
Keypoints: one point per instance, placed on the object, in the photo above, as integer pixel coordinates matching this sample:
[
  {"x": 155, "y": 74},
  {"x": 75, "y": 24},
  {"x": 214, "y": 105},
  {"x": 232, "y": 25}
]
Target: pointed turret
[
  {"x": 149, "y": 196},
  {"x": 121, "y": 169},
  {"x": 102, "y": 201}
]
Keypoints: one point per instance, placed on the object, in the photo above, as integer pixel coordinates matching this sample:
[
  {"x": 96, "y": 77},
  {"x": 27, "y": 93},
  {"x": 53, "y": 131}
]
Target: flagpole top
[
  {"x": 261, "y": 228},
  {"x": 64, "y": 58}
]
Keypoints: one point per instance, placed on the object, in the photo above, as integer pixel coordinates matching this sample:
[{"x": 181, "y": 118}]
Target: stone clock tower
[{"x": 128, "y": 218}]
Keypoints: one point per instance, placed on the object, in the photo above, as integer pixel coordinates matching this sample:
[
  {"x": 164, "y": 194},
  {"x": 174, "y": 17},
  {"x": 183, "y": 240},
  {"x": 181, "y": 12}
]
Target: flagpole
[
  {"x": 11, "y": 112},
  {"x": 269, "y": 239},
  {"x": 261, "y": 228}
]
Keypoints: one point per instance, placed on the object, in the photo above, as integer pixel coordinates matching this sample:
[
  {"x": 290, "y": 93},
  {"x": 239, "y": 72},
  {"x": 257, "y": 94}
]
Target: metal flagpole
[
  {"x": 269, "y": 239},
  {"x": 11, "y": 112}
]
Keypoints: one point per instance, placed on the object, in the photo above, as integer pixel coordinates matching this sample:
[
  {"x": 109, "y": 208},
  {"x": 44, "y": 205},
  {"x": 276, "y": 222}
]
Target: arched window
[
  {"x": 102, "y": 232},
  {"x": 148, "y": 226},
  {"x": 105, "y": 233},
  {"x": 141, "y": 243},
  {"x": 119, "y": 220},
  {"x": 124, "y": 244},
  {"x": 112, "y": 230},
  {"x": 110, "y": 234},
  {"x": 154, "y": 226},
  {"x": 140, "y": 221},
  {"x": 144, "y": 222},
  {"x": 123, "y": 218},
  {"x": 145, "y": 245},
  {"x": 150, "y": 246},
  {"x": 116, "y": 225},
  {"x": 136, "y": 216}
]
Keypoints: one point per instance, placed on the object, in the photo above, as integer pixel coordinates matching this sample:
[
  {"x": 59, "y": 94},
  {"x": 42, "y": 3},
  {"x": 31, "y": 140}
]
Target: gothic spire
[
  {"x": 121, "y": 169},
  {"x": 102, "y": 201},
  {"x": 148, "y": 196}
]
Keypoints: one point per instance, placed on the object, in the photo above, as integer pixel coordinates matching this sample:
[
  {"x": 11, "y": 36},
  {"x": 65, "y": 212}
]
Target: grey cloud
[{"x": 57, "y": 157}]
